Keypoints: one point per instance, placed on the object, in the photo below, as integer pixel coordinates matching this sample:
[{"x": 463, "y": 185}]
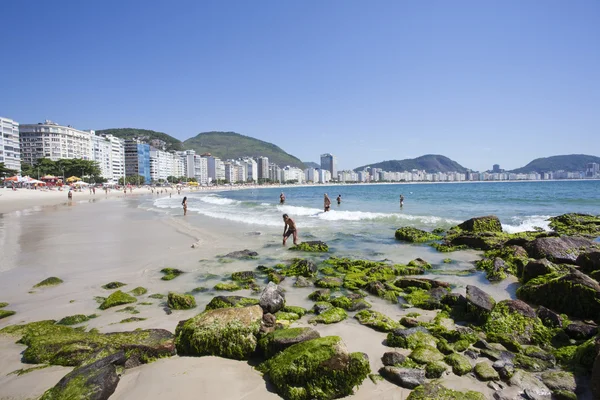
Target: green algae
[
  {"x": 434, "y": 391},
  {"x": 412, "y": 341},
  {"x": 425, "y": 355},
  {"x": 116, "y": 299},
  {"x": 376, "y": 320},
  {"x": 531, "y": 364},
  {"x": 294, "y": 309},
  {"x": 330, "y": 316},
  {"x": 414, "y": 235},
  {"x": 139, "y": 291},
  {"x": 485, "y": 372},
  {"x": 304, "y": 370},
  {"x": 435, "y": 370},
  {"x": 300, "y": 267},
  {"x": 129, "y": 310},
  {"x": 157, "y": 296},
  {"x": 131, "y": 319},
  {"x": 459, "y": 363},
  {"x": 313, "y": 246},
  {"x": 178, "y": 301},
  {"x": 329, "y": 282},
  {"x": 230, "y": 302},
  {"x": 113, "y": 285},
  {"x": 229, "y": 287},
  {"x": 2, "y": 304},
  {"x": 350, "y": 304},
  {"x": 52, "y": 281},
  {"x": 576, "y": 224},
  {"x": 6, "y": 313},
  {"x": 320, "y": 295},
  {"x": 286, "y": 316},
  {"x": 24, "y": 371},
  {"x": 448, "y": 248},
  {"x": 447, "y": 261},
  {"x": 170, "y": 273},
  {"x": 76, "y": 319}
]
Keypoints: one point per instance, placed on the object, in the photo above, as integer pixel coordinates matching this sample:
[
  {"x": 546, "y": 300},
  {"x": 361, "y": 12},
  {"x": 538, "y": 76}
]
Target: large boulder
[
  {"x": 272, "y": 298},
  {"x": 435, "y": 391},
  {"x": 536, "y": 268},
  {"x": 558, "y": 249},
  {"x": 414, "y": 235},
  {"x": 530, "y": 385},
  {"x": 479, "y": 303},
  {"x": 589, "y": 261},
  {"x": 178, "y": 301},
  {"x": 392, "y": 358},
  {"x": 410, "y": 338},
  {"x": 281, "y": 339},
  {"x": 574, "y": 293},
  {"x": 314, "y": 246},
  {"x": 320, "y": 368},
  {"x": 95, "y": 381},
  {"x": 408, "y": 378},
  {"x": 301, "y": 267},
  {"x": 242, "y": 254},
  {"x": 230, "y": 301},
  {"x": 489, "y": 223},
  {"x": 224, "y": 332},
  {"x": 576, "y": 224}
]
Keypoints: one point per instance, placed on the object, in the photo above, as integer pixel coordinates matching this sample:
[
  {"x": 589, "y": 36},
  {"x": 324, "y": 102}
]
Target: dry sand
[{"x": 91, "y": 242}]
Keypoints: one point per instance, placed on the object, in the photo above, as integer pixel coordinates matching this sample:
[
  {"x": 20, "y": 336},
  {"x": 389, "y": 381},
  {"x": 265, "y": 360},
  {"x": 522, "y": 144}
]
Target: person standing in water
[
  {"x": 401, "y": 200},
  {"x": 289, "y": 228},
  {"x": 281, "y": 198},
  {"x": 184, "y": 204},
  {"x": 326, "y": 203},
  {"x": 339, "y": 199}
]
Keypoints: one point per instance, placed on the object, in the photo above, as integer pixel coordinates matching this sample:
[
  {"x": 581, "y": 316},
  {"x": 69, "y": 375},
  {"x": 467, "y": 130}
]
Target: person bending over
[{"x": 289, "y": 228}]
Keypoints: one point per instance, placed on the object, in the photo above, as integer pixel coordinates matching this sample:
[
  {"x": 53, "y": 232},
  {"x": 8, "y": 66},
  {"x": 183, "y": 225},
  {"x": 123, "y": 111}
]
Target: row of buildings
[{"x": 118, "y": 158}]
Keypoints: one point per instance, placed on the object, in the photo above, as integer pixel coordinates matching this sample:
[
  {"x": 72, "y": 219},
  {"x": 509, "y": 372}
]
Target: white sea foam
[
  {"x": 528, "y": 223},
  {"x": 217, "y": 200},
  {"x": 247, "y": 218}
]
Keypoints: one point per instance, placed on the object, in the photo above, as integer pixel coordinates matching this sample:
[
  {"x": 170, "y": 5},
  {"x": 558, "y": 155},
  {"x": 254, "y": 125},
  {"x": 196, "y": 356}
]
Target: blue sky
[{"x": 481, "y": 82}]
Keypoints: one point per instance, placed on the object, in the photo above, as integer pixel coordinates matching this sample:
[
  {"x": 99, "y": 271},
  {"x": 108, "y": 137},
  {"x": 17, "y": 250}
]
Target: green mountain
[
  {"x": 310, "y": 164},
  {"x": 158, "y": 140},
  {"x": 569, "y": 163},
  {"x": 430, "y": 163},
  {"x": 233, "y": 145}
]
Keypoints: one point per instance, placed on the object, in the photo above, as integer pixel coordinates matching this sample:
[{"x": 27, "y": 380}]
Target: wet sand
[{"x": 88, "y": 244}]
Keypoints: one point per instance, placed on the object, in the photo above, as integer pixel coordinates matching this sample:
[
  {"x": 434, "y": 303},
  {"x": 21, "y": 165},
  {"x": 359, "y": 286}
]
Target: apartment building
[{"x": 10, "y": 148}]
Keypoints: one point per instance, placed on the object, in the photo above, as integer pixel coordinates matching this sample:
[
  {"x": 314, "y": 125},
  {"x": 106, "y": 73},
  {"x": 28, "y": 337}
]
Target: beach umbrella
[
  {"x": 13, "y": 179},
  {"x": 48, "y": 177},
  {"x": 73, "y": 179},
  {"x": 80, "y": 183},
  {"x": 31, "y": 180}
]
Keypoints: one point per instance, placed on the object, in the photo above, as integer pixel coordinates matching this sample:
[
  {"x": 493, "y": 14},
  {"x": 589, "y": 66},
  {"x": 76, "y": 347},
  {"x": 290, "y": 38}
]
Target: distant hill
[
  {"x": 430, "y": 163},
  {"x": 158, "y": 140},
  {"x": 569, "y": 163},
  {"x": 233, "y": 145},
  {"x": 310, "y": 164}
]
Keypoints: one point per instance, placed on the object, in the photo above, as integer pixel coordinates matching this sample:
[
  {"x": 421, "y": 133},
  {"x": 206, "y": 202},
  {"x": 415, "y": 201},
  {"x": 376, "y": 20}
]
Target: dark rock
[
  {"x": 549, "y": 317},
  {"x": 436, "y": 296},
  {"x": 243, "y": 276},
  {"x": 471, "y": 354},
  {"x": 269, "y": 320},
  {"x": 498, "y": 270},
  {"x": 410, "y": 338},
  {"x": 301, "y": 281},
  {"x": 95, "y": 381},
  {"x": 272, "y": 298},
  {"x": 596, "y": 371},
  {"x": 589, "y": 261},
  {"x": 419, "y": 262},
  {"x": 488, "y": 223},
  {"x": 575, "y": 294},
  {"x": 581, "y": 331},
  {"x": 536, "y": 268},
  {"x": 422, "y": 283},
  {"x": 520, "y": 307},
  {"x": 563, "y": 249},
  {"x": 377, "y": 288},
  {"x": 505, "y": 369},
  {"x": 320, "y": 295},
  {"x": 230, "y": 302},
  {"x": 302, "y": 267},
  {"x": 281, "y": 339},
  {"x": 482, "y": 344},
  {"x": 404, "y": 377},
  {"x": 392, "y": 358},
  {"x": 455, "y": 299},
  {"x": 321, "y": 307},
  {"x": 479, "y": 303},
  {"x": 241, "y": 254}
]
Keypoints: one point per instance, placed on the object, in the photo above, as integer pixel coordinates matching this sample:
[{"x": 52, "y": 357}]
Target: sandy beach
[{"x": 97, "y": 239}]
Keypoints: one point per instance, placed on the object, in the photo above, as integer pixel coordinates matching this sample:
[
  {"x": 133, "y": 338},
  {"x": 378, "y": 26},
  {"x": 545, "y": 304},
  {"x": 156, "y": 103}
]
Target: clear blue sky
[{"x": 481, "y": 82}]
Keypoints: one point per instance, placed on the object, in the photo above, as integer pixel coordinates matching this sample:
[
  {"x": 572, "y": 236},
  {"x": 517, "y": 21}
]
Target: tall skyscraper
[
  {"x": 137, "y": 160},
  {"x": 10, "y": 148},
  {"x": 329, "y": 163},
  {"x": 263, "y": 167}
]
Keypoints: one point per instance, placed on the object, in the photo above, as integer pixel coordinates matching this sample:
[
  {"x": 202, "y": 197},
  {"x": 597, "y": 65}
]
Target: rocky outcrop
[
  {"x": 314, "y": 246},
  {"x": 589, "y": 261},
  {"x": 575, "y": 294},
  {"x": 536, "y": 268},
  {"x": 281, "y": 339},
  {"x": 224, "y": 332},
  {"x": 241, "y": 254},
  {"x": 95, "y": 381},
  {"x": 319, "y": 368},
  {"x": 410, "y": 338},
  {"x": 301, "y": 267},
  {"x": 479, "y": 303},
  {"x": 272, "y": 298},
  {"x": 422, "y": 283},
  {"x": 489, "y": 223},
  {"x": 408, "y": 378},
  {"x": 178, "y": 301},
  {"x": 576, "y": 224},
  {"x": 581, "y": 331},
  {"x": 529, "y": 385},
  {"x": 414, "y": 235},
  {"x": 563, "y": 249},
  {"x": 549, "y": 317},
  {"x": 230, "y": 301}
]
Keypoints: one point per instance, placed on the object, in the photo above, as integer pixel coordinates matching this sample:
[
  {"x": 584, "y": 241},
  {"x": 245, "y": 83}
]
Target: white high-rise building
[
  {"x": 53, "y": 141},
  {"x": 163, "y": 164},
  {"x": 230, "y": 173},
  {"x": 311, "y": 175},
  {"x": 201, "y": 169},
  {"x": 102, "y": 154},
  {"x": 252, "y": 169},
  {"x": 10, "y": 148}
]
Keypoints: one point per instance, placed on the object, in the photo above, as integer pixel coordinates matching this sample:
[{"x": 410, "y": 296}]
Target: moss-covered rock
[
  {"x": 224, "y": 332},
  {"x": 286, "y": 316},
  {"x": 228, "y": 287},
  {"x": 330, "y": 282},
  {"x": 489, "y": 223},
  {"x": 559, "y": 380},
  {"x": 410, "y": 338},
  {"x": 320, "y": 368},
  {"x": 434, "y": 391},
  {"x": 76, "y": 319},
  {"x": 6, "y": 313},
  {"x": 576, "y": 224},
  {"x": 129, "y": 310},
  {"x": 350, "y": 303},
  {"x": 575, "y": 294},
  {"x": 314, "y": 246},
  {"x": 376, "y": 320},
  {"x": 281, "y": 339},
  {"x": 139, "y": 291},
  {"x": 321, "y": 307},
  {"x": 330, "y": 316},
  {"x": 113, "y": 285},
  {"x": 157, "y": 296},
  {"x": 485, "y": 372},
  {"x": 459, "y": 363},
  {"x": 320, "y": 295},
  {"x": 116, "y": 299},
  {"x": 170, "y": 273},
  {"x": 414, "y": 235},
  {"x": 3, "y": 304},
  {"x": 131, "y": 319},
  {"x": 52, "y": 281},
  {"x": 426, "y": 354},
  {"x": 177, "y": 301},
  {"x": 243, "y": 276},
  {"x": 49, "y": 343},
  {"x": 435, "y": 370},
  {"x": 301, "y": 267},
  {"x": 295, "y": 309}
]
